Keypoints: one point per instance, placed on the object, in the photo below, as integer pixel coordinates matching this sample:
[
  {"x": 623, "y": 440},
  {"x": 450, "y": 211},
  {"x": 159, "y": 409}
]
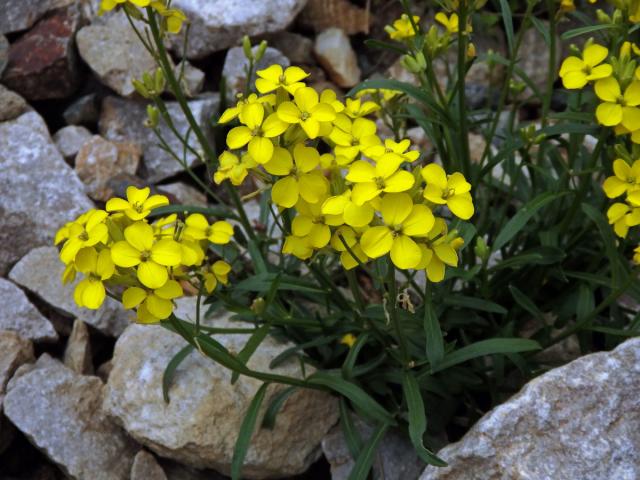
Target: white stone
[
  {"x": 70, "y": 139},
  {"x": 18, "y": 315},
  {"x": 236, "y": 64},
  {"x": 77, "y": 354},
  {"x": 40, "y": 271},
  {"x": 334, "y": 53}
]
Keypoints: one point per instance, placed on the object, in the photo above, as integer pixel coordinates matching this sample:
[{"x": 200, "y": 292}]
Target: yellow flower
[
  {"x": 97, "y": 267},
  {"x": 299, "y": 247},
  {"x": 138, "y": 203},
  {"x": 311, "y": 224},
  {"x": 299, "y": 180},
  {"x": 451, "y": 23},
  {"x": 349, "y": 339},
  {"x": 219, "y": 272},
  {"x": 151, "y": 256},
  {"x": 198, "y": 228},
  {"x": 625, "y": 180},
  {"x": 353, "y": 137},
  {"x": 235, "y": 112},
  {"x": 233, "y": 168},
  {"x": 567, "y": 6},
  {"x": 623, "y": 216},
  {"x": 357, "y": 108},
  {"x": 402, "y": 28},
  {"x": 618, "y": 108},
  {"x": 400, "y": 148},
  {"x": 403, "y": 220},
  {"x": 347, "y": 258},
  {"x": 352, "y": 214},
  {"x": 153, "y": 305},
  {"x": 370, "y": 181},
  {"x": 108, "y": 5},
  {"x": 87, "y": 231},
  {"x": 636, "y": 255},
  {"x": 439, "y": 252},
  {"x": 452, "y": 190},
  {"x": 577, "y": 72},
  {"x": 173, "y": 17},
  {"x": 257, "y": 132},
  {"x": 274, "y": 77},
  {"x": 306, "y": 110}
]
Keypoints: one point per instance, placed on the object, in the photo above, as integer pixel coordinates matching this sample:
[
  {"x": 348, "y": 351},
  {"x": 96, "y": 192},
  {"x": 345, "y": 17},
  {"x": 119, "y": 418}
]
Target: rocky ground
[{"x": 80, "y": 391}]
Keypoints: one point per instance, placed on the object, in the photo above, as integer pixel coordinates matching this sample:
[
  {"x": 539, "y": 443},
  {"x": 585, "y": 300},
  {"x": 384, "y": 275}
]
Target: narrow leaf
[
  {"x": 363, "y": 464},
  {"x": 433, "y": 334},
  {"x": 246, "y": 432},
  {"x": 270, "y": 415},
  {"x": 507, "y": 19},
  {"x": 474, "y": 303},
  {"x": 250, "y": 347},
  {"x": 170, "y": 370}
]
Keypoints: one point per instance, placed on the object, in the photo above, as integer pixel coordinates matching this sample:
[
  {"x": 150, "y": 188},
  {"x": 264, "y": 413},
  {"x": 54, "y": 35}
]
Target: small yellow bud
[
  {"x": 349, "y": 339},
  {"x": 258, "y": 305}
]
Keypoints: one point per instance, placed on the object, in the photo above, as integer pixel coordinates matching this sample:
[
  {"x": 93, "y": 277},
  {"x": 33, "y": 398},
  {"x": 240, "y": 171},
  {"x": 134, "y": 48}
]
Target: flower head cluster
[
  {"x": 340, "y": 187},
  {"x": 149, "y": 262},
  {"x": 173, "y": 18}
]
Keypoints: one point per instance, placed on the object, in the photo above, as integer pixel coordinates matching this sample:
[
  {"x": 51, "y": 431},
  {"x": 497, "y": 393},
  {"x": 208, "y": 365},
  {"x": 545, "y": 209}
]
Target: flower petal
[
  {"x": 152, "y": 275},
  {"x": 124, "y": 255},
  {"x": 166, "y": 252},
  {"x": 377, "y": 241},
  {"x": 405, "y": 253}
]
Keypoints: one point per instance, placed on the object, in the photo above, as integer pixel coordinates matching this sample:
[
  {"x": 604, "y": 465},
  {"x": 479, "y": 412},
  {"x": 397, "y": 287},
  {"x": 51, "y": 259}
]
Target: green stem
[
  {"x": 463, "y": 39},
  {"x": 393, "y": 313}
]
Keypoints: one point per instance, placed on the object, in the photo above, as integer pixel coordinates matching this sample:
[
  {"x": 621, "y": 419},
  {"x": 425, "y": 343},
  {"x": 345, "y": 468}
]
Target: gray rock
[
  {"x": 184, "y": 194},
  {"x": 20, "y": 15},
  {"x": 99, "y": 160},
  {"x": 123, "y": 121},
  {"x": 297, "y": 48},
  {"x": 127, "y": 58},
  {"x": 83, "y": 111},
  {"x": 39, "y": 192},
  {"x": 220, "y": 24},
  {"x": 77, "y": 354},
  {"x": 199, "y": 426},
  {"x": 70, "y": 139},
  {"x": 579, "y": 421},
  {"x": 4, "y": 53},
  {"x": 40, "y": 271},
  {"x": 11, "y": 104},
  {"x": 20, "y": 316},
  {"x": 146, "y": 467},
  {"x": 59, "y": 412},
  {"x": 235, "y": 65},
  {"x": 534, "y": 59},
  {"x": 395, "y": 458},
  {"x": 192, "y": 78},
  {"x": 333, "y": 51}
]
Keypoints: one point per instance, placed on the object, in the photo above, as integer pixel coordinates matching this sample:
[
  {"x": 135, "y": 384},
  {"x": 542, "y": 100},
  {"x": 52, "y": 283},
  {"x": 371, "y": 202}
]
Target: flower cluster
[
  {"x": 338, "y": 186},
  {"x": 150, "y": 262},
  {"x": 172, "y": 17}
]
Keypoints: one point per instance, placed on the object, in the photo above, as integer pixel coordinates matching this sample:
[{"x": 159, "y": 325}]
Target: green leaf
[
  {"x": 246, "y": 432},
  {"x": 394, "y": 47},
  {"x": 363, "y": 464},
  {"x": 418, "y": 420},
  {"x": 263, "y": 282},
  {"x": 609, "y": 240},
  {"x": 269, "y": 419},
  {"x": 349, "y": 430},
  {"x": 521, "y": 218},
  {"x": 433, "y": 334},
  {"x": 352, "y": 356},
  {"x": 576, "y": 32},
  {"x": 585, "y": 302},
  {"x": 486, "y": 347},
  {"x": 542, "y": 28},
  {"x": 474, "y": 303},
  {"x": 507, "y": 19},
  {"x": 354, "y": 393},
  {"x": 525, "y": 302},
  {"x": 170, "y": 370},
  {"x": 250, "y": 347},
  {"x": 256, "y": 257}
]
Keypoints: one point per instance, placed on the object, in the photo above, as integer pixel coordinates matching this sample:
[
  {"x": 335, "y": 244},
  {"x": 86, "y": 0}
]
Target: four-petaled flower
[
  {"x": 306, "y": 110},
  {"x": 452, "y": 190},
  {"x": 138, "y": 203},
  {"x": 97, "y": 267},
  {"x": 275, "y": 77},
  {"x": 577, "y": 72}
]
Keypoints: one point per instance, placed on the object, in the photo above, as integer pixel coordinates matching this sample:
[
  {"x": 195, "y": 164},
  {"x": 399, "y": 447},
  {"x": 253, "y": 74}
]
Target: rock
[
  {"x": 395, "y": 457},
  {"x": 192, "y": 78},
  {"x": 297, "y": 48},
  {"x": 123, "y": 121},
  {"x": 11, "y": 104},
  {"x": 40, "y": 271},
  {"x": 127, "y": 58},
  {"x": 4, "y": 53},
  {"x": 99, "y": 160},
  {"x": 83, "y": 111},
  {"x": 146, "y": 467},
  {"x": 77, "y": 354},
  {"x": 333, "y": 51},
  {"x": 477, "y": 145},
  {"x": 235, "y": 65},
  {"x": 184, "y": 194},
  {"x": 220, "y": 24},
  {"x": 42, "y": 62},
  {"x": 534, "y": 59},
  {"x": 177, "y": 471},
  {"x": 200, "y": 424},
  {"x": 59, "y": 412},
  {"x": 581, "y": 420},
  {"x": 322, "y": 14},
  {"x": 20, "y": 316},
  {"x": 104, "y": 371},
  {"x": 21, "y": 15},
  {"x": 39, "y": 192},
  {"x": 70, "y": 139}
]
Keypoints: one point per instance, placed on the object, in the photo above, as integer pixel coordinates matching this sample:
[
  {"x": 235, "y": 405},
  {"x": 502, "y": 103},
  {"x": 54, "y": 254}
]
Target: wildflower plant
[{"x": 408, "y": 281}]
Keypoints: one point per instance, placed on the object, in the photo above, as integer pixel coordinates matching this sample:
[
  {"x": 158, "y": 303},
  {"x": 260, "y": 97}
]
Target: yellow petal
[
  {"x": 446, "y": 253},
  {"x": 306, "y": 158},
  {"x": 261, "y": 149},
  {"x": 86, "y": 260},
  {"x": 117, "y": 205},
  {"x": 594, "y": 54},
  {"x": 395, "y": 207},
  {"x": 137, "y": 195},
  {"x": 132, "y": 297},
  {"x": 158, "y": 307},
  {"x": 155, "y": 201},
  {"x": 609, "y": 114},
  {"x": 312, "y": 187},
  {"x": 124, "y": 255},
  {"x": 419, "y": 222},
  {"x": 289, "y": 112},
  {"x": 139, "y": 235},
  {"x": 93, "y": 294},
  {"x": 238, "y": 137},
  {"x": 358, "y": 215},
  {"x": 105, "y": 267},
  {"x": 461, "y": 206},
  {"x": 405, "y": 253},
  {"x": 364, "y": 192},
  {"x": 252, "y": 115},
  {"x": 166, "y": 252},
  {"x": 221, "y": 232},
  {"x": 285, "y": 192},
  {"x": 608, "y": 89},
  {"x": 281, "y": 162},
  {"x": 401, "y": 181},
  {"x": 376, "y": 241},
  {"x": 435, "y": 270},
  {"x": 435, "y": 175},
  {"x": 152, "y": 275}
]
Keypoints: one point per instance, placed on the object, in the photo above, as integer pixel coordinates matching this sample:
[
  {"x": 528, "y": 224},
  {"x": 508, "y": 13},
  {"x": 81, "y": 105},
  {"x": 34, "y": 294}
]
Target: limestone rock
[
  {"x": 333, "y": 51},
  {"x": 21, "y": 15},
  {"x": 20, "y": 316},
  {"x": 220, "y": 24},
  {"x": 4, "y": 53},
  {"x": 123, "y": 121},
  {"x": 70, "y": 139},
  {"x": 11, "y": 104},
  {"x": 14, "y": 351},
  {"x": 297, "y": 48},
  {"x": 83, "y": 111},
  {"x": 235, "y": 65},
  {"x": 77, "y": 354},
  {"x": 395, "y": 457},
  {"x": 59, "y": 412},
  {"x": 40, "y": 271},
  {"x": 581, "y": 420},
  {"x": 42, "y": 62},
  {"x": 184, "y": 194},
  {"x": 146, "y": 467},
  {"x": 100, "y": 160},
  {"x": 114, "y": 53},
  {"x": 200, "y": 424},
  {"x": 192, "y": 78},
  {"x": 534, "y": 59},
  {"x": 344, "y": 14},
  {"x": 33, "y": 206}
]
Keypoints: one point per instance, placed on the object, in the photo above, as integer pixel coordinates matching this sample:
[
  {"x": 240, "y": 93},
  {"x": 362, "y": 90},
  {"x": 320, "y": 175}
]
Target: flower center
[
  {"x": 256, "y": 132},
  {"x": 84, "y": 236},
  {"x": 448, "y": 193},
  {"x": 144, "y": 256},
  {"x": 305, "y": 116},
  {"x": 354, "y": 142},
  {"x": 137, "y": 206},
  {"x": 282, "y": 79},
  {"x": 379, "y": 183}
]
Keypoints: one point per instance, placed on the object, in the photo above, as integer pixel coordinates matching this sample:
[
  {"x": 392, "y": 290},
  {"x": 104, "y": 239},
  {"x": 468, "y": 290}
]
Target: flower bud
[
  {"x": 602, "y": 16},
  {"x": 153, "y": 117},
  {"x": 246, "y": 47},
  {"x": 140, "y": 88},
  {"x": 410, "y": 64},
  {"x": 261, "y": 49},
  {"x": 258, "y": 306},
  {"x": 481, "y": 249}
]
